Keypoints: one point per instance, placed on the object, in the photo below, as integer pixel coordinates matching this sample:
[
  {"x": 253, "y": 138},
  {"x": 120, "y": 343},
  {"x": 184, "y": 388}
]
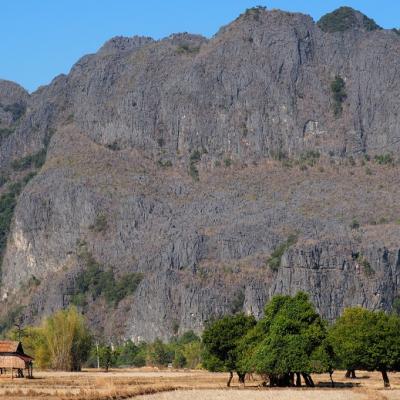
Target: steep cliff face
[{"x": 159, "y": 163}]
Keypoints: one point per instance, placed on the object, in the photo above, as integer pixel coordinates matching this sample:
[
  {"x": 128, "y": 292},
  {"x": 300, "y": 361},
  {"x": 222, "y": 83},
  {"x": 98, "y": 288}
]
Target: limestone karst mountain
[{"x": 161, "y": 183}]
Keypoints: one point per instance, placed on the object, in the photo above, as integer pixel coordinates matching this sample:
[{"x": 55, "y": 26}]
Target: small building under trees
[{"x": 13, "y": 358}]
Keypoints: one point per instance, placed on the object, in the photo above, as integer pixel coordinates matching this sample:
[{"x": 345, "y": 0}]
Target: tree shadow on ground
[{"x": 341, "y": 385}]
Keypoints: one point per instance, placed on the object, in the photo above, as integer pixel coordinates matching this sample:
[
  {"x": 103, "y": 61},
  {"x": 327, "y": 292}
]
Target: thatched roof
[
  {"x": 8, "y": 346},
  {"x": 12, "y": 355}
]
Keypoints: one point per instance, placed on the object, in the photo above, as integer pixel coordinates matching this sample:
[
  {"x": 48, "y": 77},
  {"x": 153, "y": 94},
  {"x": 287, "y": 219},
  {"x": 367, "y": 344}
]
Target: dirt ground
[{"x": 152, "y": 384}]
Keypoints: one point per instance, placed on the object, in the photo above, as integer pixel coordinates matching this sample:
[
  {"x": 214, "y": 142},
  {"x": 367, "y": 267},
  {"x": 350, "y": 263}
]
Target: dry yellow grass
[
  {"x": 149, "y": 384},
  {"x": 265, "y": 394}
]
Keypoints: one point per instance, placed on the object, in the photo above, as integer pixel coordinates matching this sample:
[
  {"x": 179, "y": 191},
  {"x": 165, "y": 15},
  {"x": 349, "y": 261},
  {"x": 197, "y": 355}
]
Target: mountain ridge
[{"x": 194, "y": 163}]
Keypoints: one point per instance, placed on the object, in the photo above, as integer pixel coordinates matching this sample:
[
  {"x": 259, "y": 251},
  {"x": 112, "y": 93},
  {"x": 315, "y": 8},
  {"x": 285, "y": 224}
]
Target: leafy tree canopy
[
  {"x": 365, "y": 339},
  {"x": 221, "y": 339},
  {"x": 289, "y": 339}
]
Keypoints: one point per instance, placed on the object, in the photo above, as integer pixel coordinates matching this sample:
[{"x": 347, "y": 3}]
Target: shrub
[
  {"x": 114, "y": 146},
  {"x": 33, "y": 281},
  {"x": 187, "y": 49},
  {"x": 16, "y": 109},
  {"x": 195, "y": 157},
  {"x": 354, "y": 224},
  {"x": 6, "y": 132},
  {"x": 279, "y": 155},
  {"x": 238, "y": 301},
  {"x": 339, "y": 94},
  {"x": 193, "y": 172},
  {"x": 227, "y": 162},
  {"x": 309, "y": 157},
  {"x": 367, "y": 268},
  {"x": 254, "y": 12},
  {"x": 274, "y": 261},
  {"x": 3, "y": 180},
  {"x": 33, "y": 160},
  {"x": 384, "y": 159},
  {"x": 100, "y": 223},
  {"x": 47, "y": 137},
  {"x": 69, "y": 119},
  {"x": 164, "y": 164}
]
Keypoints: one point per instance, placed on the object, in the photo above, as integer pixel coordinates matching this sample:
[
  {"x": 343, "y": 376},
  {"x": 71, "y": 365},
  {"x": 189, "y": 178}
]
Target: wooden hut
[{"x": 12, "y": 357}]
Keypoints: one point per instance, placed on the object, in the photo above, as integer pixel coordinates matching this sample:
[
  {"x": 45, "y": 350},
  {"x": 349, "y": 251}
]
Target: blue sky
[{"x": 43, "y": 38}]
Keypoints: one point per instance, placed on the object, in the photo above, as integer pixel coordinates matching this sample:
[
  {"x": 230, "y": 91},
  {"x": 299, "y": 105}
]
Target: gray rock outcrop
[{"x": 131, "y": 128}]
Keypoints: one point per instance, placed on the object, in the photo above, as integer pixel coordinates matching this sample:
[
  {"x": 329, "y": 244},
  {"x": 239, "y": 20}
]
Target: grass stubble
[{"x": 152, "y": 384}]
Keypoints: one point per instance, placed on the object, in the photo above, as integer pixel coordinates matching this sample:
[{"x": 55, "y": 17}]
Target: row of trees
[
  {"x": 181, "y": 352},
  {"x": 286, "y": 346},
  {"x": 292, "y": 341},
  {"x": 64, "y": 342}
]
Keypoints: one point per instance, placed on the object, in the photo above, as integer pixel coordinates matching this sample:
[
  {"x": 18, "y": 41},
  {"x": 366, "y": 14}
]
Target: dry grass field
[{"x": 148, "y": 384}]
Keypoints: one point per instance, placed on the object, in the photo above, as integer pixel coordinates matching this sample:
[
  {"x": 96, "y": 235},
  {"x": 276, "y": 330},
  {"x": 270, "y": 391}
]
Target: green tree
[
  {"x": 159, "y": 354},
  {"x": 34, "y": 343},
  {"x": 61, "y": 342},
  {"x": 364, "y": 339},
  {"x": 192, "y": 352},
  {"x": 179, "y": 360},
  {"x": 67, "y": 339},
  {"x": 289, "y": 341},
  {"x": 128, "y": 353},
  {"x": 220, "y": 341},
  {"x": 107, "y": 356}
]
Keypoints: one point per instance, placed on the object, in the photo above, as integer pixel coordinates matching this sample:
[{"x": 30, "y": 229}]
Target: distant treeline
[
  {"x": 64, "y": 342},
  {"x": 289, "y": 343}
]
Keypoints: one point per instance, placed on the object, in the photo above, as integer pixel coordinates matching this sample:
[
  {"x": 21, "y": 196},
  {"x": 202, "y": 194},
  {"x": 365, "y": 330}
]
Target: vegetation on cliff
[
  {"x": 345, "y": 18},
  {"x": 96, "y": 281}
]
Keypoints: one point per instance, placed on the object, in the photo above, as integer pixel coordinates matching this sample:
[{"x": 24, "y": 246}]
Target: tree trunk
[
  {"x": 291, "y": 377},
  {"x": 230, "y": 379},
  {"x": 285, "y": 380},
  {"x": 385, "y": 377},
  {"x": 298, "y": 379},
  {"x": 242, "y": 377},
  {"x": 330, "y": 376},
  {"x": 308, "y": 380},
  {"x": 351, "y": 373}
]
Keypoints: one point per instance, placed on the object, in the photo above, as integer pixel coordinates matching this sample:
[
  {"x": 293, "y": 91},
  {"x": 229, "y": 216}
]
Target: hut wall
[{"x": 11, "y": 362}]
